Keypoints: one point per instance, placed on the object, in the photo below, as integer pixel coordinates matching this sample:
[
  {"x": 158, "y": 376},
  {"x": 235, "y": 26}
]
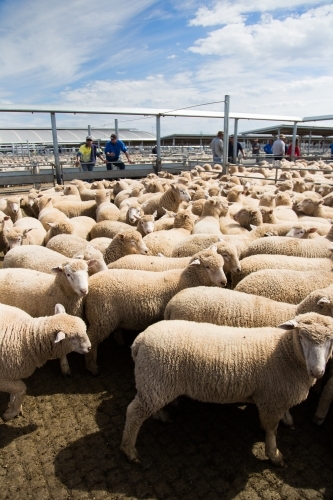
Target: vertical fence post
[
  {"x": 294, "y": 142},
  {"x": 55, "y": 148},
  {"x": 158, "y": 143},
  {"x": 234, "y": 153},
  {"x": 226, "y": 134},
  {"x": 116, "y": 130}
]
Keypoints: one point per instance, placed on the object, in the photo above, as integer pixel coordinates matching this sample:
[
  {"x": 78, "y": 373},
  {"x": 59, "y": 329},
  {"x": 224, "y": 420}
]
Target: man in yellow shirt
[{"x": 86, "y": 156}]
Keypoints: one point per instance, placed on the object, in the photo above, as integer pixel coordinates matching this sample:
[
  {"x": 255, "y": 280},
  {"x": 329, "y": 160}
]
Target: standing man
[
  {"x": 217, "y": 147},
  {"x": 86, "y": 156},
  {"x": 268, "y": 147},
  {"x": 331, "y": 148},
  {"x": 279, "y": 148},
  {"x": 112, "y": 152},
  {"x": 231, "y": 149},
  {"x": 256, "y": 149}
]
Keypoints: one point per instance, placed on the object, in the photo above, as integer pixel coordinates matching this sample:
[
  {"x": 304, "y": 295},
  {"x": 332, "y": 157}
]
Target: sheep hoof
[
  {"x": 318, "y": 420},
  {"x": 132, "y": 456}
]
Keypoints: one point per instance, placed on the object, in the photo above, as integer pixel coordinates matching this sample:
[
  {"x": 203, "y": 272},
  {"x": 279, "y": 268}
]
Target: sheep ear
[
  {"x": 323, "y": 300},
  {"x": 252, "y": 226},
  {"x": 289, "y": 325},
  {"x": 155, "y": 213},
  {"x": 195, "y": 262},
  {"x": 59, "y": 309},
  {"x": 78, "y": 256},
  {"x": 137, "y": 217},
  {"x": 213, "y": 248},
  {"x": 92, "y": 262},
  {"x": 52, "y": 224},
  {"x": 26, "y": 231},
  {"x": 312, "y": 230},
  {"x": 57, "y": 269},
  {"x": 60, "y": 336},
  {"x": 8, "y": 218},
  {"x": 160, "y": 254}
]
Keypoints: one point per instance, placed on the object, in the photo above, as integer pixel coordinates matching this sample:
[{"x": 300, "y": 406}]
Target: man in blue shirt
[
  {"x": 112, "y": 152},
  {"x": 331, "y": 147},
  {"x": 268, "y": 147}
]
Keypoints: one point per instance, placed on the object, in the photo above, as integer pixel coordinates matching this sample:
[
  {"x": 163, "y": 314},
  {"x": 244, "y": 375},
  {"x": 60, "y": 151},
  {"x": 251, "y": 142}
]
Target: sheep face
[
  {"x": 15, "y": 237},
  {"x": 77, "y": 276},
  {"x": 212, "y": 263},
  {"x": 315, "y": 339},
  {"x": 133, "y": 213}
]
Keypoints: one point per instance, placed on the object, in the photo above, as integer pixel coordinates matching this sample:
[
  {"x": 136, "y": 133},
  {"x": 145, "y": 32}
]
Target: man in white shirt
[{"x": 279, "y": 148}]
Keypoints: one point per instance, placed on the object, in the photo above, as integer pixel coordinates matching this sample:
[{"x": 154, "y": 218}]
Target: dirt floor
[{"x": 67, "y": 444}]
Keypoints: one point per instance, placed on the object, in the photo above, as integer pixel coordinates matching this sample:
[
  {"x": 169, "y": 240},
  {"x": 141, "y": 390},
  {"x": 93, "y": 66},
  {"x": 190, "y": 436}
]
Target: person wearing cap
[
  {"x": 112, "y": 151},
  {"x": 279, "y": 148},
  {"x": 87, "y": 154},
  {"x": 256, "y": 149}
]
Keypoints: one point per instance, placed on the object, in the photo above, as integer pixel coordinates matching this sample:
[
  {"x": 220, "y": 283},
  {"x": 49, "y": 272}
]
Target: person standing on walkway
[
  {"x": 112, "y": 152},
  {"x": 217, "y": 147},
  {"x": 231, "y": 150},
  {"x": 256, "y": 149},
  {"x": 87, "y": 154},
  {"x": 279, "y": 148}
]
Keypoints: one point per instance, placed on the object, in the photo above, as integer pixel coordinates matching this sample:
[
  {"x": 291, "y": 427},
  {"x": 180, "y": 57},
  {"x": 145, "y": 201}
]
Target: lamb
[
  {"x": 315, "y": 208},
  {"x": 109, "y": 228},
  {"x": 127, "y": 243},
  {"x": 317, "y": 247},
  {"x": 164, "y": 241},
  {"x": 170, "y": 200},
  {"x": 11, "y": 207},
  {"x": 193, "y": 244},
  {"x": 67, "y": 244},
  {"x": 27, "y": 343},
  {"x": 231, "y": 308},
  {"x": 258, "y": 262},
  {"x": 284, "y": 284},
  {"x": 209, "y": 222},
  {"x": 146, "y": 223},
  {"x": 105, "y": 209},
  {"x": 247, "y": 217},
  {"x": 5, "y": 223},
  {"x": 47, "y": 212},
  {"x": 147, "y": 294},
  {"x": 79, "y": 226},
  {"x": 26, "y": 231},
  {"x": 72, "y": 208},
  {"x": 161, "y": 263},
  {"x": 130, "y": 212},
  {"x": 221, "y": 364},
  {"x": 44, "y": 260}
]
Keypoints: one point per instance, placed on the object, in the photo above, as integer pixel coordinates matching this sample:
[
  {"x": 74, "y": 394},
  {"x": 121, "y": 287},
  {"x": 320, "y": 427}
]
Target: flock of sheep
[{"x": 228, "y": 278}]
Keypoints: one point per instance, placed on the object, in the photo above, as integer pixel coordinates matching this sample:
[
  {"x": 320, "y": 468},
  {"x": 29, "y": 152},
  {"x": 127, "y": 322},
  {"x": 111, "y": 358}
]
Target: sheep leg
[
  {"x": 287, "y": 419},
  {"x": 324, "y": 403},
  {"x": 64, "y": 367},
  {"x": 270, "y": 427},
  {"x": 91, "y": 361},
  {"x": 136, "y": 414},
  {"x": 17, "y": 390}
]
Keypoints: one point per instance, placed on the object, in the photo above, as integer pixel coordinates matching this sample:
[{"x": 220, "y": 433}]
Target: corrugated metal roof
[
  {"x": 69, "y": 135},
  {"x": 286, "y": 129}
]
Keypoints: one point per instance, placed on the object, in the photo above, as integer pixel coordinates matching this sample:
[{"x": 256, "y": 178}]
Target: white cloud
[
  {"x": 226, "y": 12},
  {"x": 172, "y": 57},
  {"x": 305, "y": 39},
  {"x": 56, "y": 42}
]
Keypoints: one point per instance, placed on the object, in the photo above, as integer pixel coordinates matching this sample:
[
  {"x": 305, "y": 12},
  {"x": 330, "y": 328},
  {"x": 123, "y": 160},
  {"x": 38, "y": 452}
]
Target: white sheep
[
  {"x": 170, "y": 200},
  {"x": 37, "y": 293},
  {"x": 27, "y": 343},
  {"x": 26, "y": 231},
  {"x": 284, "y": 285},
  {"x": 135, "y": 299},
  {"x": 47, "y": 212},
  {"x": 11, "y": 207},
  {"x": 79, "y": 226},
  {"x": 219, "y": 364},
  {"x": 5, "y": 223},
  {"x": 44, "y": 259}
]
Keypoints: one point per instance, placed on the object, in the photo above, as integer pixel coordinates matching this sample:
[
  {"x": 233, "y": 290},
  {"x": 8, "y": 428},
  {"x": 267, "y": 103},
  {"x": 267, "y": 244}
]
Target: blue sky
[{"x": 270, "y": 57}]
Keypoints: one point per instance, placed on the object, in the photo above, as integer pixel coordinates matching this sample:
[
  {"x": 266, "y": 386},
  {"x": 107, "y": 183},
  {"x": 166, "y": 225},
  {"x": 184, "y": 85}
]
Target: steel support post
[
  {"x": 56, "y": 148},
  {"x": 234, "y": 153},
  {"x": 226, "y": 133},
  {"x": 294, "y": 142},
  {"x": 158, "y": 143},
  {"x": 116, "y": 130},
  {"x": 89, "y": 129}
]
